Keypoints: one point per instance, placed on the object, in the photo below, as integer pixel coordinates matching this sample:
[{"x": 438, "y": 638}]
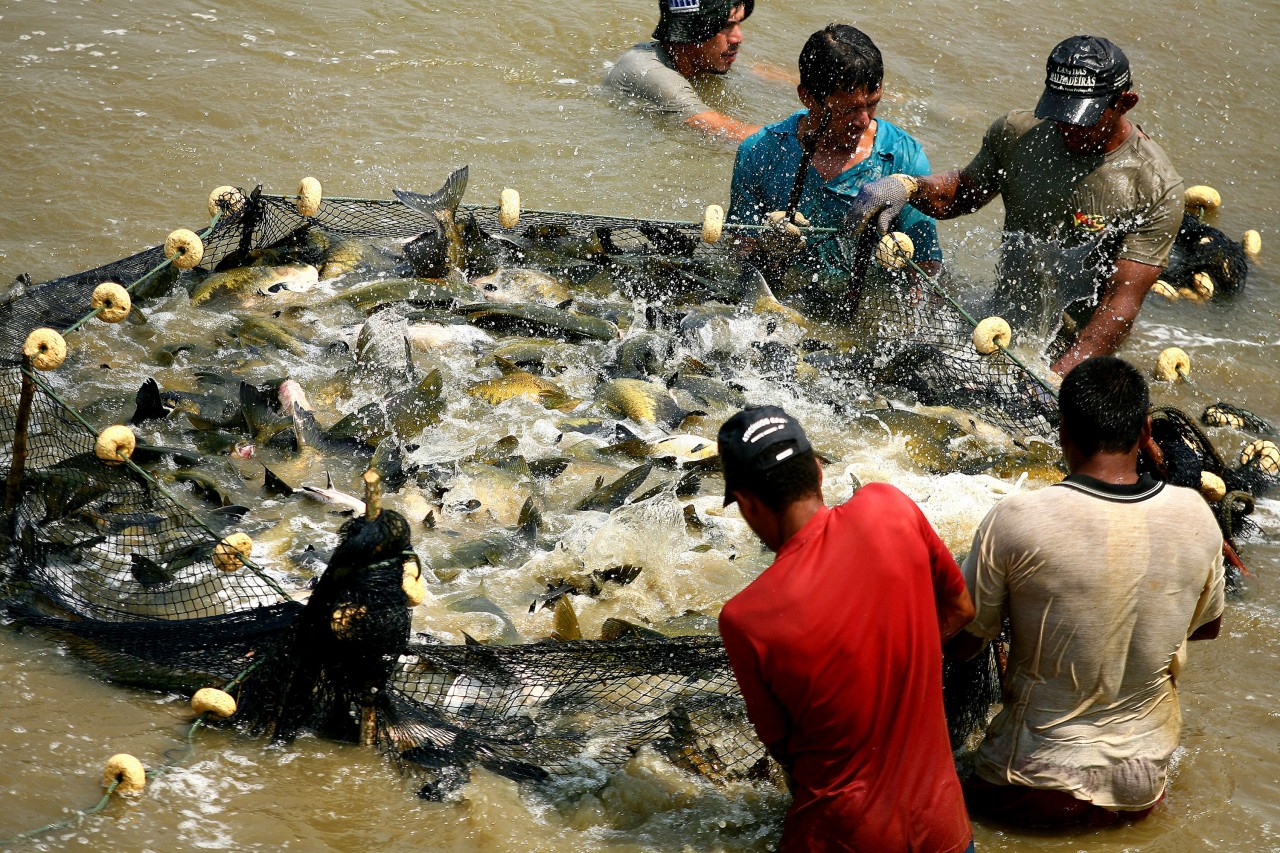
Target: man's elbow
[
  {"x": 721, "y": 126},
  {"x": 1207, "y": 631},
  {"x": 962, "y": 646}
]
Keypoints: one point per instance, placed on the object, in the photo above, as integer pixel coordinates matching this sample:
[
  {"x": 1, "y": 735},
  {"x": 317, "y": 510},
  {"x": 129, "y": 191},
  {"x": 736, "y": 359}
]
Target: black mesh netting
[{"x": 101, "y": 556}]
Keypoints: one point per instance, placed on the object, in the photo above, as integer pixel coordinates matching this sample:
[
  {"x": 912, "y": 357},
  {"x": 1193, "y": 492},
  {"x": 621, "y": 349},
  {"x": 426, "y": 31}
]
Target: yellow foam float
[
  {"x": 1201, "y": 197},
  {"x": 309, "y": 196},
  {"x": 115, "y": 444},
  {"x": 992, "y": 334},
  {"x": 111, "y": 301},
  {"x": 508, "y": 208},
  {"x": 125, "y": 772},
  {"x": 211, "y": 700},
  {"x": 184, "y": 247},
  {"x": 1212, "y": 487},
  {"x": 894, "y": 250},
  {"x": 415, "y": 588},
  {"x": 1173, "y": 364},
  {"x": 45, "y": 349},
  {"x": 227, "y": 198},
  {"x": 227, "y": 554},
  {"x": 1267, "y": 454},
  {"x": 1252, "y": 243},
  {"x": 712, "y": 223}
]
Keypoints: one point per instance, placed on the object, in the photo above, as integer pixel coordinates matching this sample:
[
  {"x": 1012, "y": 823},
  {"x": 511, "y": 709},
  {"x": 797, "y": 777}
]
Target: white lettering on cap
[
  {"x": 680, "y": 7},
  {"x": 763, "y": 427}
]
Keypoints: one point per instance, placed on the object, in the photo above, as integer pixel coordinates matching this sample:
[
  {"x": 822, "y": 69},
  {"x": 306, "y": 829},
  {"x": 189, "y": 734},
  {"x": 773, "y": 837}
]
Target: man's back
[
  {"x": 1103, "y": 586},
  {"x": 837, "y": 650}
]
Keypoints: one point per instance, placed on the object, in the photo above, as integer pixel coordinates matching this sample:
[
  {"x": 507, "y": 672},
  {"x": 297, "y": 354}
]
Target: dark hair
[
  {"x": 785, "y": 483},
  {"x": 1103, "y": 403},
  {"x": 840, "y": 58}
]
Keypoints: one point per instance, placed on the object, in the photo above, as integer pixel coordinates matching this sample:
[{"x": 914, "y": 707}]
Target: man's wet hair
[
  {"x": 1104, "y": 402},
  {"x": 840, "y": 58},
  {"x": 785, "y": 483}
]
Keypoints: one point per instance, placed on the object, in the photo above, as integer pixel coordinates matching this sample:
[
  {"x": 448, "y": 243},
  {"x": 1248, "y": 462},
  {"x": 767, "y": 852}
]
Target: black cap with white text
[
  {"x": 1084, "y": 75},
  {"x": 754, "y": 441}
]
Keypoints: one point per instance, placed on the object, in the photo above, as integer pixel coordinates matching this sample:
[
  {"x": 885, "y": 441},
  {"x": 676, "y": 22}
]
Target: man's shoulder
[
  {"x": 1154, "y": 165},
  {"x": 639, "y": 56},
  {"x": 768, "y": 144},
  {"x": 894, "y": 134},
  {"x": 1015, "y": 124}
]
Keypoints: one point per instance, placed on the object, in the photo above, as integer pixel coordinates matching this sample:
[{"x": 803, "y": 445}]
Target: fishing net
[
  {"x": 99, "y": 553},
  {"x": 910, "y": 335}
]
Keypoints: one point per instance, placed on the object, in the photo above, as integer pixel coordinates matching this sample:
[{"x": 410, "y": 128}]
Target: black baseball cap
[
  {"x": 695, "y": 21},
  {"x": 1084, "y": 75},
  {"x": 755, "y": 440}
]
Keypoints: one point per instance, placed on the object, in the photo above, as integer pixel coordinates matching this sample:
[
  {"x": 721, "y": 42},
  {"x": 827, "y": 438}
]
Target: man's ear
[
  {"x": 1127, "y": 101},
  {"x": 809, "y": 101},
  {"x": 1145, "y": 436}
]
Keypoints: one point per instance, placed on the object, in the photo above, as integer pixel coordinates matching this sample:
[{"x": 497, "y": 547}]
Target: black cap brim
[{"x": 1072, "y": 109}]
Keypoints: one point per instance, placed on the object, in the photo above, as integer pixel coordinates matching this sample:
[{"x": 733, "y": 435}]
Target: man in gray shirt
[{"x": 693, "y": 38}]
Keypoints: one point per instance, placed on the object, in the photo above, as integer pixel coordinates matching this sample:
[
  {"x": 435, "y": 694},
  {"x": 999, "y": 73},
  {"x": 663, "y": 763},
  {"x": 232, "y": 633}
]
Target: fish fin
[
  {"x": 529, "y": 514},
  {"x": 685, "y": 414},
  {"x": 622, "y": 433},
  {"x": 254, "y": 406},
  {"x": 528, "y": 532},
  {"x": 688, "y": 485},
  {"x": 506, "y": 365},
  {"x": 565, "y": 305},
  {"x": 148, "y": 573},
  {"x": 448, "y": 197},
  {"x": 149, "y": 404},
  {"x": 566, "y": 622},
  {"x": 469, "y": 640},
  {"x": 307, "y": 429},
  {"x": 272, "y": 483}
]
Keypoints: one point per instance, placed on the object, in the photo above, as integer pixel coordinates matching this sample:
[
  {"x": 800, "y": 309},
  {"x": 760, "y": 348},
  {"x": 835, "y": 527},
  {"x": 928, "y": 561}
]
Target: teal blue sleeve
[{"x": 746, "y": 205}]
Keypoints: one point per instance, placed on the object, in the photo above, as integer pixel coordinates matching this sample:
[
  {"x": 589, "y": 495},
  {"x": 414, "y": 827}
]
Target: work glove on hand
[
  {"x": 782, "y": 237},
  {"x": 884, "y": 198}
]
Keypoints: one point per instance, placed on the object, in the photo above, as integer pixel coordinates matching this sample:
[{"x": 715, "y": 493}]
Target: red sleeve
[{"x": 763, "y": 709}]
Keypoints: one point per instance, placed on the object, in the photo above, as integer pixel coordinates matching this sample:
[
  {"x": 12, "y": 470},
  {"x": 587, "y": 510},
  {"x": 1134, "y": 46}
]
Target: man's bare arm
[
  {"x": 1110, "y": 324},
  {"x": 954, "y": 613},
  {"x": 949, "y": 194},
  {"x": 962, "y": 646},
  {"x": 721, "y": 125}
]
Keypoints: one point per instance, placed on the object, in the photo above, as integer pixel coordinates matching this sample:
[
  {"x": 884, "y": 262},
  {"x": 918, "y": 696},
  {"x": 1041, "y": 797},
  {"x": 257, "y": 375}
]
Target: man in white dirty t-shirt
[
  {"x": 1104, "y": 577},
  {"x": 693, "y": 38}
]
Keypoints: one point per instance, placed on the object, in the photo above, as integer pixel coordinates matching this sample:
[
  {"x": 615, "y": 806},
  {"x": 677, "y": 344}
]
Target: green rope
[
  {"x": 936, "y": 288},
  {"x": 170, "y": 764},
  {"x": 253, "y": 567},
  {"x": 163, "y": 264}
]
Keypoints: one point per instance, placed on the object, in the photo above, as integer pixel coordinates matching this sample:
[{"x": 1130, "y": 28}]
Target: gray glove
[
  {"x": 783, "y": 238},
  {"x": 884, "y": 199}
]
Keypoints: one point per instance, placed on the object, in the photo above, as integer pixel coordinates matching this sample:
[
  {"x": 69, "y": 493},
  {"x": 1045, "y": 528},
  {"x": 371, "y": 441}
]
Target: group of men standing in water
[
  {"x": 1092, "y": 204},
  {"x": 1101, "y": 579}
]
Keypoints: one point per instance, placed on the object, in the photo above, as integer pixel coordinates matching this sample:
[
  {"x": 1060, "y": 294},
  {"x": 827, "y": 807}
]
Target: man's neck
[
  {"x": 795, "y": 517},
  {"x": 1117, "y": 469},
  {"x": 683, "y": 60}
]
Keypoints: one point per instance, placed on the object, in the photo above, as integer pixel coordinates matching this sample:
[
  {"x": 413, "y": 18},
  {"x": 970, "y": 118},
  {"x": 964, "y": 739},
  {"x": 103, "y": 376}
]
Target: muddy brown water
[{"x": 119, "y": 118}]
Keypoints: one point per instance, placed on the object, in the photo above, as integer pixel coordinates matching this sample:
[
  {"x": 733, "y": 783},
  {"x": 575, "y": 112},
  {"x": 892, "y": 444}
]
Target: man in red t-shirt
[{"x": 837, "y": 648}]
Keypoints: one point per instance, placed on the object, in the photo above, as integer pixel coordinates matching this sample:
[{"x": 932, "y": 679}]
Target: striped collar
[{"x": 1146, "y": 487}]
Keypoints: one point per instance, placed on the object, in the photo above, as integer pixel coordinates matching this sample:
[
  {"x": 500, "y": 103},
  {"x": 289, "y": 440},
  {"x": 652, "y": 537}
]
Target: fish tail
[{"x": 447, "y": 197}]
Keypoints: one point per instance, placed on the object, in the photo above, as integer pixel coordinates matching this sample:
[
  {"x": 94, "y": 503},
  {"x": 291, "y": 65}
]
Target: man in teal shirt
[{"x": 841, "y": 72}]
